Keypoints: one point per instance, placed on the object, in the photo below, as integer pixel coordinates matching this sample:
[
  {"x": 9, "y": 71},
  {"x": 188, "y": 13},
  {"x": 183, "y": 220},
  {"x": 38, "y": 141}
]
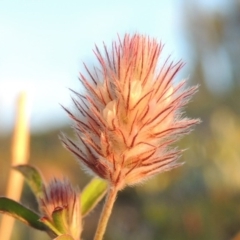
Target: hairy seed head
[{"x": 131, "y": 113}]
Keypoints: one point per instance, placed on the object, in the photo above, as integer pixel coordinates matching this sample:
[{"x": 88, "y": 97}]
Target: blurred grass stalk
[{"x": 20, "y": 155}]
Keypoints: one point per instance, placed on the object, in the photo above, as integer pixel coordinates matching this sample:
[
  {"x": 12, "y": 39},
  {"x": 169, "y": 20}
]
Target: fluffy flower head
[{"x": 130, "y": 113}]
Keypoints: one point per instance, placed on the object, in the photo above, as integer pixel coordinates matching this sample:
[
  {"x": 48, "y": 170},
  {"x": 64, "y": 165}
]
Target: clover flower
[
  {"x": 60, "y": 208},
  {"x": 130, "y": 113}
]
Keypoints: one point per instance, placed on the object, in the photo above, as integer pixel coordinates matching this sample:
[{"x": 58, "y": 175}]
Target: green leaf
[
  {"x": 48, "y": 222},
  {"x": 18, "y": 211},
  {"x": 64, "y": 237},
  {"x": 59, "y": 219},
  {"x": 92, "y": 194},
  {"x": 33, "y": 178}
]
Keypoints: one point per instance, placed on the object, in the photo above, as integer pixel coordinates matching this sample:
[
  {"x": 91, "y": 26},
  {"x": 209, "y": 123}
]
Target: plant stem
[{"x": 106, "y": 212}]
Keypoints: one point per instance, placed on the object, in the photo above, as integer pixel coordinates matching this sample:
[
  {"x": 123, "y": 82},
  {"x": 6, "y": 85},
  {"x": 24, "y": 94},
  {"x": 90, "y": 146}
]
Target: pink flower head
[
  {"x": 130, "y": 113},
  {"x": 60, "y": 208}
]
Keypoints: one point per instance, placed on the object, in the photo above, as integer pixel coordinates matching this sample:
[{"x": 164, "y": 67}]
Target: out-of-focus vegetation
[{"x": 200, "y": 200}]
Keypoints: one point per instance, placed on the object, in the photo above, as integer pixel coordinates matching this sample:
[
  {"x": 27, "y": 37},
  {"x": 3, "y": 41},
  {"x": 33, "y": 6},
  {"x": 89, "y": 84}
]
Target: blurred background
[{"x": 42, "y": 47}]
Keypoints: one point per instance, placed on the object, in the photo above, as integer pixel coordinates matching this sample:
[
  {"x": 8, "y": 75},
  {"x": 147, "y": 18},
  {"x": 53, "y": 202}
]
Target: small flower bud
[{"x": 60, "y": 208}]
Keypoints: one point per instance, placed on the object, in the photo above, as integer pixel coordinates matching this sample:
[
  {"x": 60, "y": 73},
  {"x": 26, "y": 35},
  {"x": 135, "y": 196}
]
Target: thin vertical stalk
[
  {"x": 106, "y": 212},
  {"x": 20, "y": 154}
]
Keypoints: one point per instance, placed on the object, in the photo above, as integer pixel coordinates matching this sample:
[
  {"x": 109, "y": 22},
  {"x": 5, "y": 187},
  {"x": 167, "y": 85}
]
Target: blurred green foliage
[{"x": 200, "y": 200}]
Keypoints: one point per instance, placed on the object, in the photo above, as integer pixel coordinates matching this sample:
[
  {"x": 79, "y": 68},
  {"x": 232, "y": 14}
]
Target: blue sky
[{"x": 43, "y": 44}]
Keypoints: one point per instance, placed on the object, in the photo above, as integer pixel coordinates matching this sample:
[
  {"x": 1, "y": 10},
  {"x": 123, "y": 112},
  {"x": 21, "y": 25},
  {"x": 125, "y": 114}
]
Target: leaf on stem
[
  {"x": 18, "y": 211},
  {"x": 92, "y": 194},
  {"x": 33, "y": 178}
]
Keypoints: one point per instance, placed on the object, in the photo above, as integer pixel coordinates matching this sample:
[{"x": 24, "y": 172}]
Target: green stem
[{"x": 106, "y": 212}]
